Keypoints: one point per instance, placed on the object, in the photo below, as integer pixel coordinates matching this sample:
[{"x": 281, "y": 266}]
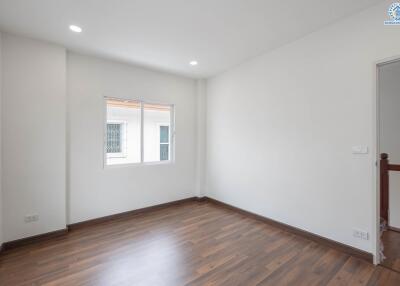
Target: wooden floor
[
  {"x": 391, "y": 242},
  {"x": 196, "y": 243}
]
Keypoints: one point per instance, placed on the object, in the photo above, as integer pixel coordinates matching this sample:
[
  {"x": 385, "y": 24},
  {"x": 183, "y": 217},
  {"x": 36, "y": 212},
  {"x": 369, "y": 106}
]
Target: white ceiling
[{"x": 167, "y": 34}]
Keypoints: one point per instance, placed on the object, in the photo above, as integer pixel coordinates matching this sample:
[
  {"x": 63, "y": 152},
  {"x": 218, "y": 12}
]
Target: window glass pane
[
  {"x": 114, "y": 138},
  {"x": 155, "y": 116},
  {"x": 164, "y": 152},
  {"x": 164, "y": 134},
  {"x": 123, "y": 132}
]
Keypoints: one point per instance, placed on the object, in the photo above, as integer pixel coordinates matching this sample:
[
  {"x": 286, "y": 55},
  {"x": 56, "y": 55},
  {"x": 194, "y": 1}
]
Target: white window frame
[{"x": 172, "y": 134}]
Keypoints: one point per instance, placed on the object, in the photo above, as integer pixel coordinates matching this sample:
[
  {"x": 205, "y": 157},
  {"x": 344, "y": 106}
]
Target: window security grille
[{"x": 114, "y": 144}]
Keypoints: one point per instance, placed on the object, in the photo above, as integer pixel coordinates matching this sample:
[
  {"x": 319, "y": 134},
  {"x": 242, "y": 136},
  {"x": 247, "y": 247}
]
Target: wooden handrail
[
  {"x": 392, "y": 167},
  {"x": 385, "y": 167}
]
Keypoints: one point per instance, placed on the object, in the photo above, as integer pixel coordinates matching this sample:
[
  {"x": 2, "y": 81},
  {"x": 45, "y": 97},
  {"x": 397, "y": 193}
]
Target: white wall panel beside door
[{"x": 33, "y": 132}]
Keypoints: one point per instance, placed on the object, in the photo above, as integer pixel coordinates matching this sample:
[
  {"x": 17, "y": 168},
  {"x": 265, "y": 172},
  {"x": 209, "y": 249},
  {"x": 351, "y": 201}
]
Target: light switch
[{"x": 360, "y": 149}]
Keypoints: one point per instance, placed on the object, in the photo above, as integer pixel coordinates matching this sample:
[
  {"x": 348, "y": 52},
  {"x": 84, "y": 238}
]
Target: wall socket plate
[
  {"x": 31, "y": 218},
  {"x": 360, "y": 149},
  {"x": 361, "y": 234}
]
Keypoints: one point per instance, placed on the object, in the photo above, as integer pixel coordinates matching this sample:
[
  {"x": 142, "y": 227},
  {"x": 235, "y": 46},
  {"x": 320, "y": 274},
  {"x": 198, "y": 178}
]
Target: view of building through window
[
  {"x": 164, "y": 142},
  {"x": 124, "y": 130},
  {"x": 156, "y": 119},
  {"x": 114, "y": 138}
]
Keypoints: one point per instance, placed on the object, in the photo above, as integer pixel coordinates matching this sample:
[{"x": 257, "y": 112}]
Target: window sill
[{"x": 125, "y": 165}]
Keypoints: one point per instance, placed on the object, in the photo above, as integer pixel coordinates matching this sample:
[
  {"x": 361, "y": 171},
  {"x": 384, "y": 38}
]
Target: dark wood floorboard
[{"x": 196, "y": 243}]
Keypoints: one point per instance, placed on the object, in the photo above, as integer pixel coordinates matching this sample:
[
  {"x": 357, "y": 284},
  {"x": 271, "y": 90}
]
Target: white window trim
[{"x": 172, "y": 134}]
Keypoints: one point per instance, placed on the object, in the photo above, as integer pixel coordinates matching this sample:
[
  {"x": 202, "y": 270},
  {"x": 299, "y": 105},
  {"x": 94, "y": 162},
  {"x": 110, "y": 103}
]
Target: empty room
[{"x": 199, "y": 142}]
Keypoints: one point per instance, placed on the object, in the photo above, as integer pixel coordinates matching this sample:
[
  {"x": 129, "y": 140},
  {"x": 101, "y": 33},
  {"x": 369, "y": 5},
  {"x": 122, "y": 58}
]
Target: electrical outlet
[
  {"x": 356, "y": 233},
  {"x": 365, "y": 235},
  {"x": 360, "y": 149},
  {"x": 31, "y": 218},
  {"x": 361, "y": 234}
]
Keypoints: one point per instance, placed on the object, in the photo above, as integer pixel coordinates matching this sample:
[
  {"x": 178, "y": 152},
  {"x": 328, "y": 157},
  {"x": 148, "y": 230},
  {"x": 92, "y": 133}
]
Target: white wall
[
  {"x": 1, "y": 193},
  {"x": 96, "y": 192},
  {"x": 280, "y": 129},
  {"x": 33, "y": 133},
  {"x": 389, "y": 96}
]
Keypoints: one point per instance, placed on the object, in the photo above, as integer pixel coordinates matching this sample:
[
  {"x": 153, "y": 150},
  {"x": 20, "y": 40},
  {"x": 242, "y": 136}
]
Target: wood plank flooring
[{"x": 195, "y": 243}]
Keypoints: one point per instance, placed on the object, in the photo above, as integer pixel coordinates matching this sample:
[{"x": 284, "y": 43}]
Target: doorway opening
[{"x": 388, "y": 88}]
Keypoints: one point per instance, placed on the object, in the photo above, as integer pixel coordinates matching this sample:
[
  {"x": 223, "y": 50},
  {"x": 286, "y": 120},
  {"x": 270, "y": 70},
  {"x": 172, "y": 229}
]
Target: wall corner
[{"x": 200, "y": 137}]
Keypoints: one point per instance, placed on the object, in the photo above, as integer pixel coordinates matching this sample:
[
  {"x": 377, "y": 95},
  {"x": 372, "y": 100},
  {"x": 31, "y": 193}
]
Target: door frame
[{"x": 376, "y": 159}]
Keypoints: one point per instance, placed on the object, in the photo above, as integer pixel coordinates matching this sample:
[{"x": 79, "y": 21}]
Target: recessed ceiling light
[
  {"x": 75, "y": 29},
  {"x": 193, "y": 63}
]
